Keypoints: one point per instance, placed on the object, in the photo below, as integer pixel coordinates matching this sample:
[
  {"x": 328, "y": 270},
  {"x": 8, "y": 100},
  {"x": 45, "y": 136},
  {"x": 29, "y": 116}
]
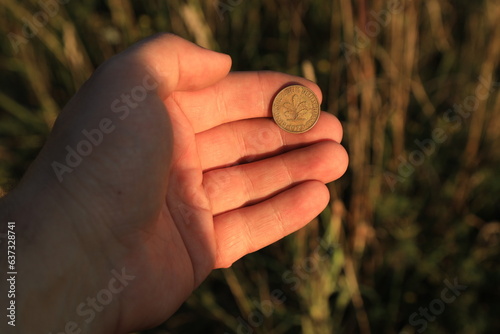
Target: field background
[{"x": 413, "y": 83}]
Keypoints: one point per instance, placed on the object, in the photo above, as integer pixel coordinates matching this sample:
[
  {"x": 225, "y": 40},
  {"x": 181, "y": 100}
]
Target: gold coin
[{"x": 296, "y": 109}]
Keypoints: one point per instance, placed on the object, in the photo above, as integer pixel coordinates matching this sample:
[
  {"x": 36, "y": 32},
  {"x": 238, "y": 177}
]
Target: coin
[{"x": 296, "y": 109}]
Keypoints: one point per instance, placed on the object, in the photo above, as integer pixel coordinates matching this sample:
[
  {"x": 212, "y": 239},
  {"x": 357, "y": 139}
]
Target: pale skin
[{"x": 191, "y": 178}]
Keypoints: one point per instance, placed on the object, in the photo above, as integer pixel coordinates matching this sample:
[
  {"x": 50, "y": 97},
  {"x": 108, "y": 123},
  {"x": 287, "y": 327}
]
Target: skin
[{"x": 192, "y": 177}]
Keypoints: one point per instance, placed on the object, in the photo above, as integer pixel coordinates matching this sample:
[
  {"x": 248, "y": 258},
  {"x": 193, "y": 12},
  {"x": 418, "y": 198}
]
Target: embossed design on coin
[{"x": 296, "y": 109}]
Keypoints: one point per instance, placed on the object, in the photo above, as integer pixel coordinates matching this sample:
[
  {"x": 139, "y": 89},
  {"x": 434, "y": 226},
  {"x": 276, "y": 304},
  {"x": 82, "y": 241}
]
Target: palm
[{"x": 206, "y": 205}]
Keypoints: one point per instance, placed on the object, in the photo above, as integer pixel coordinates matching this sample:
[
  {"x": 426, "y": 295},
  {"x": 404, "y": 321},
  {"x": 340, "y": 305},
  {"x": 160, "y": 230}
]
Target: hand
[{"x": 143, "y": 174}]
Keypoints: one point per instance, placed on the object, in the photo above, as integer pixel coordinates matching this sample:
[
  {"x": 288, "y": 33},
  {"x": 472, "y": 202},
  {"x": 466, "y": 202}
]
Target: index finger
[{"x": 240, "y": 95}]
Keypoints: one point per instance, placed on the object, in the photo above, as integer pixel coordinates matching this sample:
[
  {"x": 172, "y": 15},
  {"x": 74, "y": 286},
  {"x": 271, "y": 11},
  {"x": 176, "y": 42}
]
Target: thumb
[{"x": 176, "y": 64}]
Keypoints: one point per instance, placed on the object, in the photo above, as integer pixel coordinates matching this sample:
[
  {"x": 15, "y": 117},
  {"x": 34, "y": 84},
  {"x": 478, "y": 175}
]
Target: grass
[{"x": 419, "y": 204}]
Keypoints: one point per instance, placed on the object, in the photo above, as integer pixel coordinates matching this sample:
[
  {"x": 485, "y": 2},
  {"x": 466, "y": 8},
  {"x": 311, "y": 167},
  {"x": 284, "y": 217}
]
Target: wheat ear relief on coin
[{"x": 296, "y": 109}]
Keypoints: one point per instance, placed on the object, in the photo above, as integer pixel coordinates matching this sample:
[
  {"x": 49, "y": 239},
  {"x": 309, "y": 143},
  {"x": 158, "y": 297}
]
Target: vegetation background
[{"x": 415, "y": 84}]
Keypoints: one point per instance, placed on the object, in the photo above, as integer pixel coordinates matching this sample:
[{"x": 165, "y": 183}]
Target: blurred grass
[{"x": 389, "y": 238}]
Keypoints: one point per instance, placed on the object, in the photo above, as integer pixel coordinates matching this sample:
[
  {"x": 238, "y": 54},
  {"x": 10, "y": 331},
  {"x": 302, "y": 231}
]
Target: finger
[
  {"x": 240, "y": 95},
  {"x": 248, "y": 229},
  {"x": 232, "y": 187},
  {"x": 255, "y": 139}
]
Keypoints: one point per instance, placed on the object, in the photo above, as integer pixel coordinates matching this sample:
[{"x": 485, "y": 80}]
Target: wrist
[{"x": 56, "y": 280}]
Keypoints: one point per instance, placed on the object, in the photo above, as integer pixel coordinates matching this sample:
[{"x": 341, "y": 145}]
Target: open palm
[{"x": 193, "y": 176}]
